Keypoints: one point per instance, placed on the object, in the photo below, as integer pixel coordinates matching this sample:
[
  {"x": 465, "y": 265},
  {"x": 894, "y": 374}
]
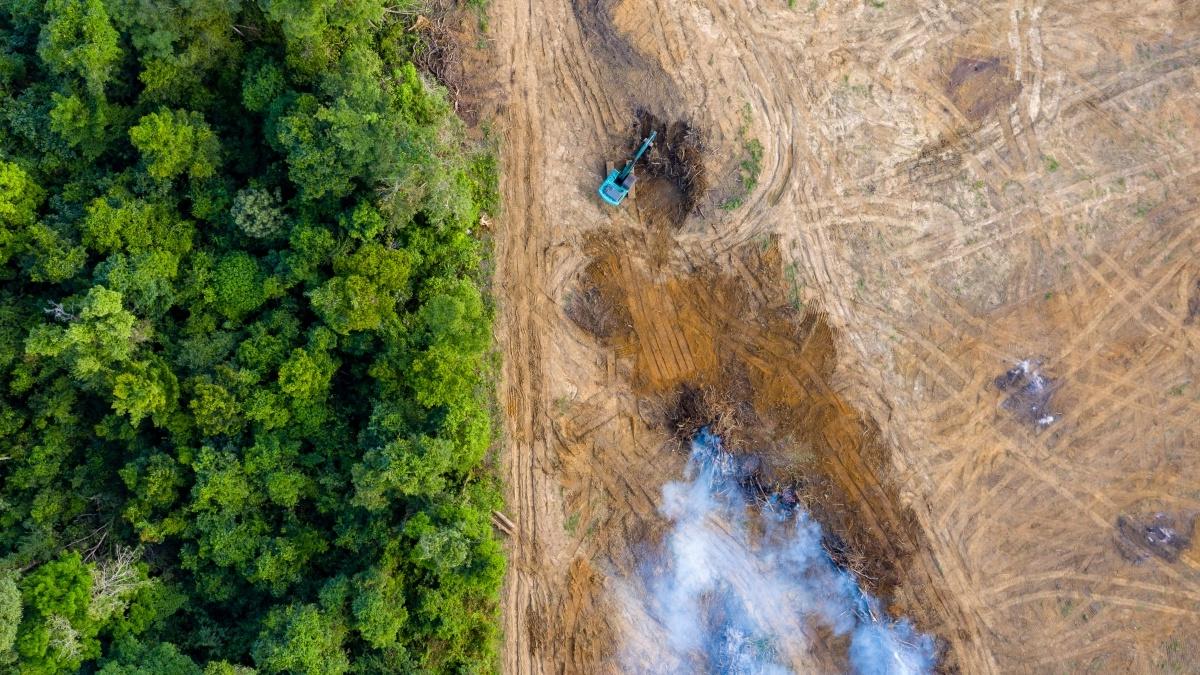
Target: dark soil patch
[
  {"x": 595, "y": 20},
  {"x": 595, "y": 306},
  {"x": 1029, "y": 393},
  {"x": 590, "y": 311},
  {"x": 1193, "y": 304},
  {"x": 979, "y": 86},
  {"x": 676, "y": 159},
  {"x": 1160, "y": 534}
]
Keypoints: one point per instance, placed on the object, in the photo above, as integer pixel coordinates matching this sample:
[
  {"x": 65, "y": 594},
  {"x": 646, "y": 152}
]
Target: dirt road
[{"x": 944, "y": 190}]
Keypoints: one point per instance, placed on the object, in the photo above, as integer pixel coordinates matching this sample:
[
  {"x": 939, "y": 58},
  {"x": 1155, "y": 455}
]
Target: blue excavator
[{"x": 616, "y": 187}]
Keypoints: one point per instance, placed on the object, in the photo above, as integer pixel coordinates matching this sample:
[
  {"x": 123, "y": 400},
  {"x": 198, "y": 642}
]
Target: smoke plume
[{"x": 741, "y": 589}]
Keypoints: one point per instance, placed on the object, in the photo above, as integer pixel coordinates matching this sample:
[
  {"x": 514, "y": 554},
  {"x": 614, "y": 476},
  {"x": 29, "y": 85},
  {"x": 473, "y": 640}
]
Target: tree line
[{"x": 245, "y": 358}]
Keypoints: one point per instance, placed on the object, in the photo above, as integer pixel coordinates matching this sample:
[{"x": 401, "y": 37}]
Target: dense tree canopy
[{"x": 244, "y": 351}]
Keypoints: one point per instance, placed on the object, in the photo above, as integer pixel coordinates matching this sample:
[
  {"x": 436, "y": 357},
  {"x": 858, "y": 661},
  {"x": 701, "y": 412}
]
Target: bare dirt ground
[{"x": 947, "y": 190}]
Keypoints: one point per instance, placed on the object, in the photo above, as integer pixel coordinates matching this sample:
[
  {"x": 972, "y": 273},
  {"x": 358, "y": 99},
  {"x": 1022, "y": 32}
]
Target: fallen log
[{"x": 503, "y": 524}]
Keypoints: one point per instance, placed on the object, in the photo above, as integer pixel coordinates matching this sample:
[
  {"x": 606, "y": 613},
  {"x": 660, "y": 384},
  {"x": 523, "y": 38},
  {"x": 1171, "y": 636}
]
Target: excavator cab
[{"x": 617, "y": 185}]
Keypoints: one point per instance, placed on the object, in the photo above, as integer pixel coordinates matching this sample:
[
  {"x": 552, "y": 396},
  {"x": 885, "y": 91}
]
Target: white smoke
[{"x": 744, "y": 590}]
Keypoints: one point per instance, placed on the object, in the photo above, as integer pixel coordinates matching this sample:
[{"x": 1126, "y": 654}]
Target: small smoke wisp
[{"x": 743, "y": 589}]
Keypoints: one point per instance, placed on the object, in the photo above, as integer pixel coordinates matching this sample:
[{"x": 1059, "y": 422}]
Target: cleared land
[{"x": 940, "y": 191}]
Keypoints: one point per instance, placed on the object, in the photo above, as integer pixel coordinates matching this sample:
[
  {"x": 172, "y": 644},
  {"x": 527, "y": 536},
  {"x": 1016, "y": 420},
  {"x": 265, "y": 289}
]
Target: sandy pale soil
[{"x": 946, "y": 190}]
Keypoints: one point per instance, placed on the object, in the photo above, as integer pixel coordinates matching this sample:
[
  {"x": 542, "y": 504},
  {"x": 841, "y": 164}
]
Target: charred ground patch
[
  {"x": 1028, "y": 393},
  {"x": 980, "y": 85},
  {"x": 595, "y": 20},
  {"x": 1163, "y": 534}
]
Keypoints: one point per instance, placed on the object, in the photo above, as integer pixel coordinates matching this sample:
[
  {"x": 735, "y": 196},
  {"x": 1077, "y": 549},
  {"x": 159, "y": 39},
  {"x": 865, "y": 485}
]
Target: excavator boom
[{"x": 641, "y": 151}]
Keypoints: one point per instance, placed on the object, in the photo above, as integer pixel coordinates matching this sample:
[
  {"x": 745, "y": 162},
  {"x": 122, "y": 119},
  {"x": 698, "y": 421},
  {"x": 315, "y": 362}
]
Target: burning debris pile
[
  {"x": 1160, "y": 534},
  {"x": 1029, "y": 393},
  {"x": 721, "y": 411},
  {"x": 743, "y": 585}
]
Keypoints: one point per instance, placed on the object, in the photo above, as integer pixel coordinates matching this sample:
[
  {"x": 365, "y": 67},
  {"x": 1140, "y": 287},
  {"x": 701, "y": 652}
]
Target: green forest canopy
[{"x": 244, "y": 351}]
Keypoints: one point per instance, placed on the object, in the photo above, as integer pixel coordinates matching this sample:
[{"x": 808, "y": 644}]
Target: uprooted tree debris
[
  {"x": 678, "y": 159},
  {"x": 1029, "y": 393}
]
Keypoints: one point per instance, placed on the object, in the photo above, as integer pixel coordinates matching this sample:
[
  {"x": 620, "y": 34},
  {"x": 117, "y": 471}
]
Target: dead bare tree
[
  {"x": 114, "y": 579},
  {"x": 64, "y": 639},
  {"x": 58, "y": 313}
]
